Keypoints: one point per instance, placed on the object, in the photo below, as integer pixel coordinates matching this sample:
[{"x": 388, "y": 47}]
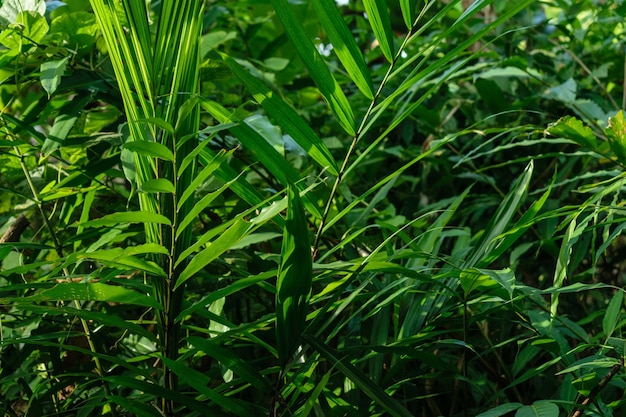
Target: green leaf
[
  {"x": 285, "y": 116},
  {"x": 378, "y": 16},
  {"x": 51, "y": 73},
  {"x": 149, "y": 148},
  {"x": 539, "y": 409},
  {"x": 330, "y": 89},
  {"x": 64, "y": 123},
  {"x": 574, "y": 129},
  {"x": 237, "y": 231},
  {"x": 371, "y": 389},
  {"x": 293, "y": 286},
  {"x": 616, "y": 133},
  {"x": 611, "y": 317},
  {"x": 158, "y": 185},
  {"x": 229, "y": 360},
  {"x": 91, "y": 291},
  {"x": 501, "y": 410},
  {"x": 12, "y": 8},
  {"x": 344, "y": 45},
  {"x": 408, "y": 12},
  {"x": 201, "y": 383},
  {"x": 135, "y": 407},
  {"x": 128, "y": 217}
]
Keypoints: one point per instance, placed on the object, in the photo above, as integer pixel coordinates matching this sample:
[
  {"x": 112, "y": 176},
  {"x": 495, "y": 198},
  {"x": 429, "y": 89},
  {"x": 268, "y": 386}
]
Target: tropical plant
[{"x": 300, "y": 208}]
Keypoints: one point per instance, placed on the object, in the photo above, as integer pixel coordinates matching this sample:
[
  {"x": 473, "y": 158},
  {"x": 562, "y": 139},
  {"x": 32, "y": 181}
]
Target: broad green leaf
[
  {"x": 611, "y": 317},
  {"x": 91, "y": 291},
  {"x": 378, "y": 16},
  {"x": 64, "y": 123},
  {"x": 285, "y": 116},
  {"x": 574, "y": 129},
  {"x": 149, "y": 148},
  {"x": 616, "y": 133},
  {"x": 127, "y": 217},
  {"x": 539, "y": 409},
  {"x": 51, "y": 73},
  {"x": 328, "y": 86},
  {"x": 372, "y": 390},
  {"x": 28, "y": 29},
  {"x": 224, "y": 242},
  {"x": 501, "y": 410},
  {"x": 344, "y": 45},
  {"x": 565, "y": 93},
  {"x": 12, "y": 8},
  {"x": 293, "y": 285},
  {"x": 158, "y": 185}
]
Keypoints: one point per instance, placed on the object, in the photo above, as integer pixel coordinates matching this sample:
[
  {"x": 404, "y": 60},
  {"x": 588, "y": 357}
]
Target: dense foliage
[{"x": 277, "y": 207}]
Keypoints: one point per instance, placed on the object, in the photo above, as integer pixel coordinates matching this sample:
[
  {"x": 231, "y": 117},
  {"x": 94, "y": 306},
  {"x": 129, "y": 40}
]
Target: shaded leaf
[{"x": 378, "y": 16}]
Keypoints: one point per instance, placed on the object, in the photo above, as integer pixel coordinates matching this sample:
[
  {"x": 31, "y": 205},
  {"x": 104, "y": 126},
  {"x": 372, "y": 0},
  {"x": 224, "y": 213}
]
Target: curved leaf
[
  {"x": 378, "y": 16},
  {"x": 320, "y": 73}
]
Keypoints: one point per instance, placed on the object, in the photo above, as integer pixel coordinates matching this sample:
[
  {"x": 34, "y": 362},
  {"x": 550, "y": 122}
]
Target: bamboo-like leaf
[
  {"x": 372, "y": 390},
  {"x": 158, "y": 185},
  {"x": 611, "y": 317},
  {"x": 229, "y": 360},
  {"x": 91, "y": 291},
  {"x": 344, "y": 45},
  {"x": 220, "y": 245},
  {"x": 408, "y": 12},
  {"x": 293, "y": 286},
  {"x": 152, "y": 149},
  {"x": 378, "y": 16},
  {"x": 127, "y": 217},
  {"x": 285, "y": 116},
  {"x": 200, "y": 382},
  {"x": 135, "y": 407},
  {"x": 328, "y": 86},
  {"x": 203, "y": 175}
]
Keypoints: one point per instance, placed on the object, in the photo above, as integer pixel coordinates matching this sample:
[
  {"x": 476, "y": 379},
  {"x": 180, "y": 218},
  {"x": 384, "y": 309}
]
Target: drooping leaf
[
  {"x": 344, "y": 45},
  {"x": 51, "y": 73},
  {"x": 378, "y": 16},
  {"x": 328, "y": 86},
  {"x": 616, "y": 133},
  {"x": 611, "y": 317}
]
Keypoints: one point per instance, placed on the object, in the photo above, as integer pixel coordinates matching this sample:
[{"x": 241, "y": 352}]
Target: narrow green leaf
[
  {"x": 91, "y": 291},
  {"x": 206, "y": 172},
  {"x": 330, "y": 89},
  {"x": 201, "y": 382},
  {"x": 285, "y": 116},
  {"x": 293, "y": 286},
  {"x": 51, "y": 73},
  {"x": 344, "y": 45},
  {"x": 372, "y": 390},
  {"x": 157, "y": 121},
  {"x": 149, "y": 148},
  {"x": 224, "y": 242},
  {"x": 158, "y": 185},
  {"x": 135, "y": 407},
  {"x": 408, "y": 12},
  {"x": 229, "y": 360},
  {"x": 127, "y": 217},
  {"x": 611, "y": 317},
  {"x": 378, "y": 16}
]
